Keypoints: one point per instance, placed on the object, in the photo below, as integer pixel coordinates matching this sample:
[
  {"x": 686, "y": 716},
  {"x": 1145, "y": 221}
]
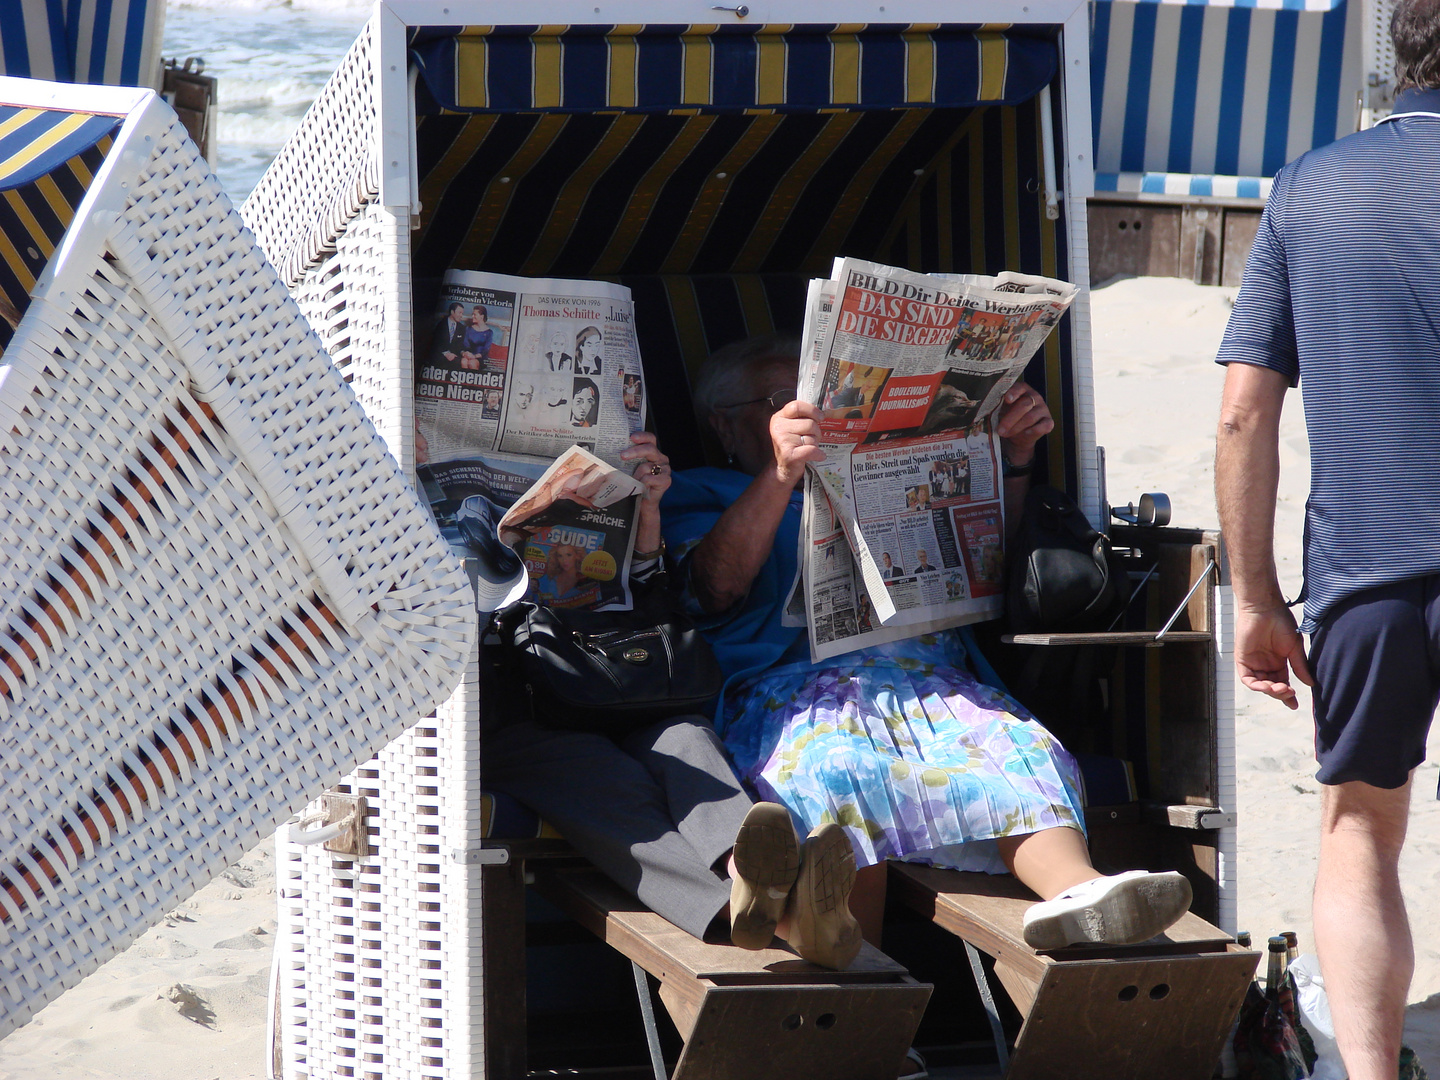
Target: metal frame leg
[
  {"x": 647, "y": 1012},
  {"x": 982, "y": 984}
]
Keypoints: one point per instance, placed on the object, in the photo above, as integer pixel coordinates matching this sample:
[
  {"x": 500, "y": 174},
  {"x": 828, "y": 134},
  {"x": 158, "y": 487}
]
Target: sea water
[{"x": 271, "y": 58}]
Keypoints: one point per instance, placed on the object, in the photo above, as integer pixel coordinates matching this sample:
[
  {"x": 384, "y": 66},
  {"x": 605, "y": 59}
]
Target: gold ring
[{"x": 656, "y": 469}]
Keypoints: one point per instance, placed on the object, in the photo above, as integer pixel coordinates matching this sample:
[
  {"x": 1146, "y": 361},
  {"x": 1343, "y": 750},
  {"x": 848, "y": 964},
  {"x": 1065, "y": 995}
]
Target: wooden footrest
[
  {"x": 1160, "y": 1008},
  {"x": 765, "y": 1015}
]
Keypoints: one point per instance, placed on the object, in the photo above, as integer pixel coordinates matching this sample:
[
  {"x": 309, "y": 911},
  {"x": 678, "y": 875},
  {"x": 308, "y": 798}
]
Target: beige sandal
[
  {"x": 767, "y": 861},
  {"x": 822, "y": 930}
]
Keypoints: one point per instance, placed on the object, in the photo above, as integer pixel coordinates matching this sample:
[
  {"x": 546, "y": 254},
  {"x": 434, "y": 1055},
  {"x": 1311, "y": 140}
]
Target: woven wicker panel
[
  {"x": 219, "y": 592},
  {"x": 378, "y": 961},
  {"x": 345, "y": 297},
  {"x": 318, "y": 182}
]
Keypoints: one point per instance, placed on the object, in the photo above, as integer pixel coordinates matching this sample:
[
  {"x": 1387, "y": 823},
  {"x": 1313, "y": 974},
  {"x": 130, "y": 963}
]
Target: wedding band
[{"x": 656, "y": 469}]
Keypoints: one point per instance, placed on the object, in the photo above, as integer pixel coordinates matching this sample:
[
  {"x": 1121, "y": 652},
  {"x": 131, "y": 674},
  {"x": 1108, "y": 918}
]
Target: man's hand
[
  {"x": 795, "y": 437},
  {"x": 1268, "y": 647}
]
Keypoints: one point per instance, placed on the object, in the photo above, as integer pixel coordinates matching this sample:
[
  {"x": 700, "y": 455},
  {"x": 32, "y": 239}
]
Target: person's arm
[
  {"x": 1024, "y": 419},
  {"x": 1268, "y": 647},
  {"x": 726, "y": 561}
]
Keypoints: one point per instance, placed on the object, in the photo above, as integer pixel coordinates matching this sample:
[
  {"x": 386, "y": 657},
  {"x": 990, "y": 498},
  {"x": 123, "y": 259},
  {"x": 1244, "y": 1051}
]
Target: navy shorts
[{"x": 1376, "y": 662}]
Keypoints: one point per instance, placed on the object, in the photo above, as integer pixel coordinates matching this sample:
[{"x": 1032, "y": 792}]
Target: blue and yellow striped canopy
[
  {"x": 712, "y": 68},
  {"x": 48, "y": 159}
]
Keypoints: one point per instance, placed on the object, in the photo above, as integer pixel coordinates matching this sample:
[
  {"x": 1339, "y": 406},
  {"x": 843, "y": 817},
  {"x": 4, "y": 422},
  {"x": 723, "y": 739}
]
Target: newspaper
[
  {"x": 574, "y": 530},
  {"x": 904, "y": 523},
  {"x": 520, "y": 381},
  {"x": 528, "y": 366}
]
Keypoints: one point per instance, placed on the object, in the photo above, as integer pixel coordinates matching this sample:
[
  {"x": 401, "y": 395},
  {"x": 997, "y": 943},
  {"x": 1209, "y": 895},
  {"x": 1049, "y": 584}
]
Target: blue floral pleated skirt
[{"x": 902, "y": 746}]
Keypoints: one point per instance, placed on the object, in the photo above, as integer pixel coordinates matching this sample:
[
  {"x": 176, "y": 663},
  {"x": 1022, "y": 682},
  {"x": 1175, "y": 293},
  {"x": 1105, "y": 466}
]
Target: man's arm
[{"x": 1268, "y": 646}]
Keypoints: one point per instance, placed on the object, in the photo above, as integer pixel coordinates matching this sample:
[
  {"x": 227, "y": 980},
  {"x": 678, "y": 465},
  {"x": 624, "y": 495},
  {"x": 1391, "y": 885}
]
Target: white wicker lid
[{"x": 218, "y": 593}]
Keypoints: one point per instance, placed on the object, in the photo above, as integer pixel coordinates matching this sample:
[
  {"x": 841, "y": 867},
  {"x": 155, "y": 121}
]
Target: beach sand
[{"x": 188, "y": 1000}]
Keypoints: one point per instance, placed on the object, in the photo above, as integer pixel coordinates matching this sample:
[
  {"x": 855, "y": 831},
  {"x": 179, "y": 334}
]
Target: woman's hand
[
  {"x": 1023, "y": 421},
  {"x": 652, "y": 469},
  {"x": 795, "y": 438}
]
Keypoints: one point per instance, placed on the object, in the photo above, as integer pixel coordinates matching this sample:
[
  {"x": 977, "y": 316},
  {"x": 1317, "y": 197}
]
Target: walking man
[{"x": 1341, "y": 295}]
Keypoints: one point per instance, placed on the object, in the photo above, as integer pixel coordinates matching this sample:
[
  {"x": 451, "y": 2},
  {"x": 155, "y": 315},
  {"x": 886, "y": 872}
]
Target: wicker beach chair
[
  {"x": 218, "y": 592},
  {"x": 712, "y": 163}
]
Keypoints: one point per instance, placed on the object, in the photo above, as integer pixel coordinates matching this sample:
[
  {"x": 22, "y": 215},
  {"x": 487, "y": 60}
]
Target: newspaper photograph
[
  {"x": 574, "y": 529},
  {"x": 528, "y": 366},
  {"x": 907, "y": 370}
]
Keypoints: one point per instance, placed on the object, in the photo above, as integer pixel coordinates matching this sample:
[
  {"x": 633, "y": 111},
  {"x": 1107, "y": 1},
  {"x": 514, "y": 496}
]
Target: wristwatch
[
  {"x": 1009, "y": 468},
  {"x": 642, "y": 556}
]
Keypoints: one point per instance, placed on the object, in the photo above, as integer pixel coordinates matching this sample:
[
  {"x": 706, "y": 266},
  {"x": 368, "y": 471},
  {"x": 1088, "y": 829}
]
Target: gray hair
[{"x": 736, "y": 363}]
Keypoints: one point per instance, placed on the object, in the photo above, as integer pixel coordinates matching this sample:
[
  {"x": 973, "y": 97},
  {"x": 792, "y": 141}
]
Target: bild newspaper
[
  {"x": 526, "y": 392},
  {"x": 903, "y": 527}
]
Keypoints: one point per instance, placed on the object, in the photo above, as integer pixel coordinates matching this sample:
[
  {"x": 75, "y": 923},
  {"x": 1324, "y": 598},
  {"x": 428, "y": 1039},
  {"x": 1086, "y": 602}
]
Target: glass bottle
[{"x": 1276, "y": 970}]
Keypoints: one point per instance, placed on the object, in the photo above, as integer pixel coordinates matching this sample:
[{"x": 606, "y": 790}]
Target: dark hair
[
  {"x": 484, "y": 312},
  {"x": 1415, "y": 30},
  {"x": 586, "y": 384},
  {"x": 452, "y": 308}
]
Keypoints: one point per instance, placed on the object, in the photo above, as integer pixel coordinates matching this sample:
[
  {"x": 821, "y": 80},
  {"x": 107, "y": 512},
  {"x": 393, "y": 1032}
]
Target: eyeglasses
[{"x": 777, "y": 401}]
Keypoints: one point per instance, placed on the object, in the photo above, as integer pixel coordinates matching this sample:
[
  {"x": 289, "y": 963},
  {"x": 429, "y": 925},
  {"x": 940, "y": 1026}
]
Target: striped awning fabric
[
  {"x": 114, "y": 42},
  {"x": 675, "y": 68},
  {"x": 1272, "y": 5},
  {"x": 1228, "y": 87},
  {"x": 48, "y": 158},
  {"x": 717, "y": 221},
  {"x": 1225, "y": 187}
]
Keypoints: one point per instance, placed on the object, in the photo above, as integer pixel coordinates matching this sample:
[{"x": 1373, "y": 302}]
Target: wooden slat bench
[
  {"x": 764, "y": 1015},
  {"x": 1159, "y": 1009}
]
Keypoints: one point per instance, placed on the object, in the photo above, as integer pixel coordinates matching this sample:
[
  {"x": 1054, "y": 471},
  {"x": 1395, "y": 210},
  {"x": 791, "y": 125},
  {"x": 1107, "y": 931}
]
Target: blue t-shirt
[{"x": 1341, "y": 294}]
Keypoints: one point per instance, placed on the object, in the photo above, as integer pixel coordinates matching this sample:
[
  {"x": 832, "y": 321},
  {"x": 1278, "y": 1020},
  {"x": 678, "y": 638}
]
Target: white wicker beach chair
[
  {"x": 551, "y": 148},
  {"x": 219, "y": 591}
]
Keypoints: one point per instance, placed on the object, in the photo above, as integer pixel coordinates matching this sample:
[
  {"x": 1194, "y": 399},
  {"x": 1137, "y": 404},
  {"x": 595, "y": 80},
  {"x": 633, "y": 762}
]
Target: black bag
[
  {"x": 1061, "y": 573},
  {"x": 609, "y": 672}
]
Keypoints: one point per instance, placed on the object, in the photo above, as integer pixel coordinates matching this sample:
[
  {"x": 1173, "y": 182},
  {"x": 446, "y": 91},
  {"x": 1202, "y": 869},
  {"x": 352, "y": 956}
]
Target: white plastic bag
[{"x": 1314, "y": 1009}]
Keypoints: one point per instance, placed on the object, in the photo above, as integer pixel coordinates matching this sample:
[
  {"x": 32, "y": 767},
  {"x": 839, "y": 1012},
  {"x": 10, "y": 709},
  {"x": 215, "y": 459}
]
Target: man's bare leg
[{"x": 1362, "y": 934}]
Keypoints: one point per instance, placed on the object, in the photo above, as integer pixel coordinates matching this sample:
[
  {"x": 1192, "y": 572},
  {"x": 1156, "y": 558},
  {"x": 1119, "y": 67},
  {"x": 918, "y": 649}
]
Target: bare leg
[
  {"x": 1049, "y": 861},
  {"x": 1361, "y": 931}
]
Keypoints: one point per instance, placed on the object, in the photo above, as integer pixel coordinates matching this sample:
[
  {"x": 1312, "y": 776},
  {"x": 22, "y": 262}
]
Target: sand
[{"x": 187, "y": 1001}]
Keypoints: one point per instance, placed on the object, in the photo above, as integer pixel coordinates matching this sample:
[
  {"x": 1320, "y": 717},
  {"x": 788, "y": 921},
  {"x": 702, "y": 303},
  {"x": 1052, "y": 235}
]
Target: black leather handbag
[
  {"x": 1062, "y": 576},
  {"x": 609, "y": 672}
]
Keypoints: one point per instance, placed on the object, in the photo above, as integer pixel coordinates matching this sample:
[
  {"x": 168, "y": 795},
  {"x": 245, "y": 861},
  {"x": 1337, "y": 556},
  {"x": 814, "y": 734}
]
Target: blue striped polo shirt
[{"x": 1341, "y": 294}]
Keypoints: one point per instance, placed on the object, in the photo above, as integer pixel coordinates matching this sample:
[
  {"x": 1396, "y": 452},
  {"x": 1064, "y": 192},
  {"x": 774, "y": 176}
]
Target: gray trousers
[{"x": 655, "y": 811}]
